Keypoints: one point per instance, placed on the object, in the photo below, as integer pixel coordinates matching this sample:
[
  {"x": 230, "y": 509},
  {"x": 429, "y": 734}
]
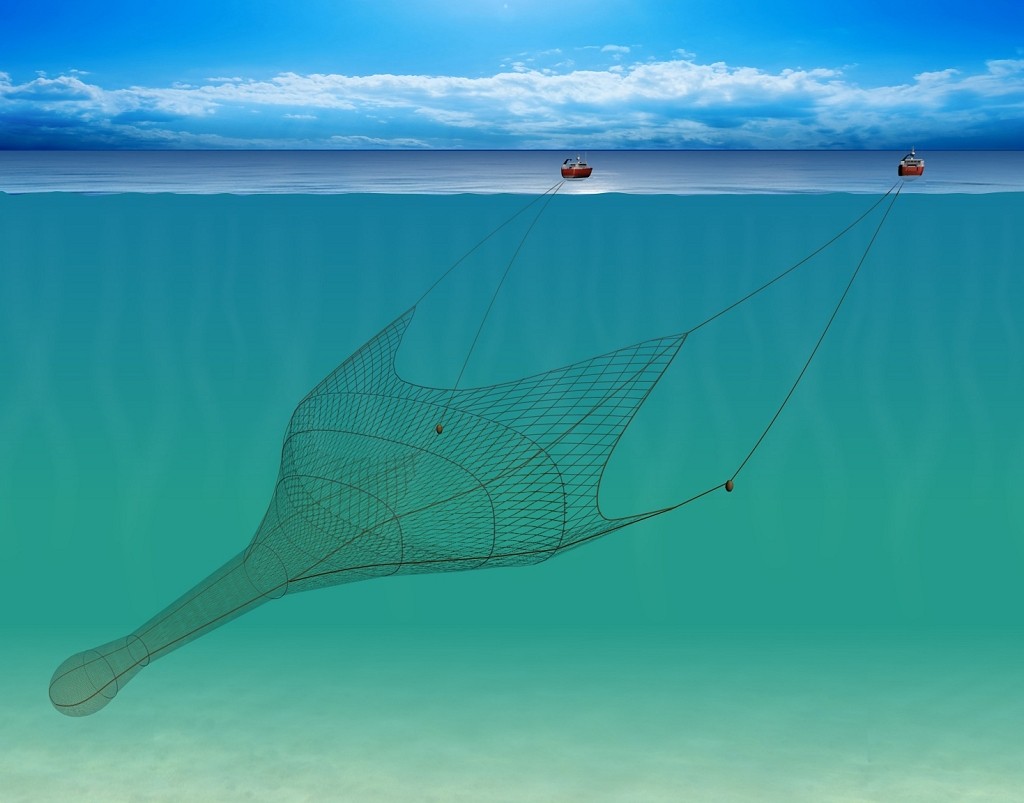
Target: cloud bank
[{"x": 676, "y": 103}]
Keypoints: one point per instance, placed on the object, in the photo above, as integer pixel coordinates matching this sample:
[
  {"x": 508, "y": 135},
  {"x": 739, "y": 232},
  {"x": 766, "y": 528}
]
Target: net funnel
[{"x": 371, "y": 485}]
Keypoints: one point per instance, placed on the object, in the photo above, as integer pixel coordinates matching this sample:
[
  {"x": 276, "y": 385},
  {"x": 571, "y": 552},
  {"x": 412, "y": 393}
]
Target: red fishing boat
[
  {"x": 577, "y": 169},
  {"x": 910, "y": 165}
]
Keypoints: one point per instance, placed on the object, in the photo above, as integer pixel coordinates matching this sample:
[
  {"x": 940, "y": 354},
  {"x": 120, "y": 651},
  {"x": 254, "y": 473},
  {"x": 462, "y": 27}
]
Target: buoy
[
  {"x": 439, "y": 429},
  {"x": 729, "y": 485}
]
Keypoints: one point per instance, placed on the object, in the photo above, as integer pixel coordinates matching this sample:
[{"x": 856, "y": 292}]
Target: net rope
[{"x": 369, "y": 485}]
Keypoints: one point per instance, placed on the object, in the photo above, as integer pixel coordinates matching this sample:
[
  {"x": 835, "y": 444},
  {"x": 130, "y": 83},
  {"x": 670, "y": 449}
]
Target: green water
[{"x": 844, "y": 626}]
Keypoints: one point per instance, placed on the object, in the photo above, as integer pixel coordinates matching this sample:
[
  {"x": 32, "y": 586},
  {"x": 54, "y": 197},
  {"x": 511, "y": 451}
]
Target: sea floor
[{"x": 529, "y": 715}]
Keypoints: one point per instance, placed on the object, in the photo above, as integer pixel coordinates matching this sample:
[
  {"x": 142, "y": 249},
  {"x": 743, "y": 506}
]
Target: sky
[{"x": 481, "y": 74}]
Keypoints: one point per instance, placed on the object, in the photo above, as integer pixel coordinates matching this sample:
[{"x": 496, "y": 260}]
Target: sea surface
[
  {"x": 490, "y": 172},
  {"x": 846, "y": 625}
]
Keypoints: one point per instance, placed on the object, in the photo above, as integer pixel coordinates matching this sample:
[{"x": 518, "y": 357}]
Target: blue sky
[{"x": 511, "y": 74}]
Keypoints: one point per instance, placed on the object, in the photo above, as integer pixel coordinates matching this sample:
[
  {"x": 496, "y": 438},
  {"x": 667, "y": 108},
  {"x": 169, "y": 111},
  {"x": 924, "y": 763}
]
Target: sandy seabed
[{"x": 511, "y": 715}]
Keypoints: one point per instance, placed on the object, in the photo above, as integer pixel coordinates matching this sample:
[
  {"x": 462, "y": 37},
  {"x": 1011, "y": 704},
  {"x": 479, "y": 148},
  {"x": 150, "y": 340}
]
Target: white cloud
[
  {"x": 622, "y": 49},
  {"x": 938, "y": 76},
  {"x": 1005, "y": 66},
  {"x": 667, "y": 103},
  {"x": 356, "y": 141}
]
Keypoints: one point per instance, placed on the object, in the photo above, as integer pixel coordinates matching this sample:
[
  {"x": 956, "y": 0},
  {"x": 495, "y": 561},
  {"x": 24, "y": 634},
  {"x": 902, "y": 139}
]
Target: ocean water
[{"x": 846, "y": 625}]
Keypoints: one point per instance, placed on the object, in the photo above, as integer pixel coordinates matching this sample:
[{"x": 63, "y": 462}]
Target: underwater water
[{"x": 846, "y": 625}]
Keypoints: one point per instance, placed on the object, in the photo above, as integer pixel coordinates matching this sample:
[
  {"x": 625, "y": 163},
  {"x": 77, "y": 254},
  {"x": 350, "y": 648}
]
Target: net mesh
[
  {"x": 380, "y": 476},
  {"x": 369, "y": 487}
]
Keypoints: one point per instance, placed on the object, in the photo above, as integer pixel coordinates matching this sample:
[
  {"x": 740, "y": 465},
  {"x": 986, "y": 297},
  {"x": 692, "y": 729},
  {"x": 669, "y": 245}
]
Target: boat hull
[
  {"x": 577, "y": 172},
  {"x": 910, "y": 170}
]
